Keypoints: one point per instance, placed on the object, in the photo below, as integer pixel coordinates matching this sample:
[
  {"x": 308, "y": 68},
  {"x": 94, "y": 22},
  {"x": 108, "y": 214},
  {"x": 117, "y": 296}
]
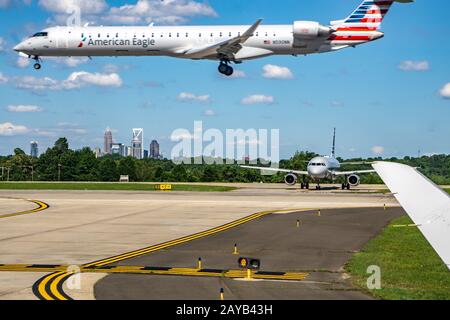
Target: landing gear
[
  {"x": 345, "y": 186},
  {"x": 226, "y": 69},
  {"x": 318, "y": 187},
  {"x": 305, "y": 185},
  {"x": 37, "y": 65}
]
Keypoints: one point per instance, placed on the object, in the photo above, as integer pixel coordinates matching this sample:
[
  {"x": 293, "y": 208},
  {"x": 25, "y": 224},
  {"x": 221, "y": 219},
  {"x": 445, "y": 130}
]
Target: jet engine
[
  {"x": 290, "y": 179},
  {"x": 310, "y": 30},
  {"x": 354, "y": 180}
]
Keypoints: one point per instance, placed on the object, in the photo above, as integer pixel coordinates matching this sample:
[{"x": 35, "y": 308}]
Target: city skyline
[{"x": 304, "y": 97}]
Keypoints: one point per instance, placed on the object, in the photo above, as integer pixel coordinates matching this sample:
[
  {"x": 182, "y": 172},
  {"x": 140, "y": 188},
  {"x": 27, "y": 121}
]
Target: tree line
[{"x": 60, "y": 163}]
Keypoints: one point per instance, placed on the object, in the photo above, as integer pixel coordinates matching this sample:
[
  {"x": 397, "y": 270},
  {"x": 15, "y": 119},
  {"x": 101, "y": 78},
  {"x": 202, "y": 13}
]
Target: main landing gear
[
  {"x": 345, "y": 186},
  {"x": 225, "y": 68},
  {"x": 304, "y": 185}
]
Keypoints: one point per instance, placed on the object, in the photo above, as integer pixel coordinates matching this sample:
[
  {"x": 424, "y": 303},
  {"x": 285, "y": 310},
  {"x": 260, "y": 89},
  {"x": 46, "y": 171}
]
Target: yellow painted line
[
  {"x": 54, "y": 288},
  {"x": 41, "y": 206},
  {"x": 42, "y": 286},
  {"x": 147, "y": 250}
]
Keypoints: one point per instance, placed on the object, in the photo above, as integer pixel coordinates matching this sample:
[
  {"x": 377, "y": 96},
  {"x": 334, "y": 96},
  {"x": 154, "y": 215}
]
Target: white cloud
[
  {"x": 23, "y": 108},
  {"x": 22, "y": 62},
  {"x": 7, "y": 3},
  {"x": 186, "y": 96},
  {"x": 76, "y": 80},
  {"x": 3, "y": 79},
  {"x": 209, "y": 113},
  {"x": 237, "y": 74},
  {"x": 142, "y": 12},
  {"x": 9, "y": 129},
  {"x": 445, "y": 91},
  {"x": 163, "y": 12},
  {"x": 378, "y": 150},
  {"x": 336, "y": 104},
  {"x": 271, "y": 71},
  {"x": 258, "y": 99},
  {"x": 2, "y": 44},
  {"x": 62, "y": 6},
  {"x": 410, "y": 65}
]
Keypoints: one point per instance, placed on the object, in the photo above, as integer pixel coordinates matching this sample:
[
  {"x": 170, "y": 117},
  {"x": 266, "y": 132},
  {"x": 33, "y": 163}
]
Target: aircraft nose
[{"x": 19, "y": 47}]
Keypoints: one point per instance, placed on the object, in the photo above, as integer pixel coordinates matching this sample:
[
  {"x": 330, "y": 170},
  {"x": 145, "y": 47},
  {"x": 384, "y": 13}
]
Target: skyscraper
[
  {"x": 34, "y": 152},
  {"x": 137, "y": 144},
  {"x": 154, "y": 150},
  {"x": 108, "y": 141}
]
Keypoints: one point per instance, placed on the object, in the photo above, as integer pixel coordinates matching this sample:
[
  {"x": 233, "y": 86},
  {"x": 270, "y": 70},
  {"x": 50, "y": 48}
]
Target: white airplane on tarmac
[
  {"x": 320, "y": 168},
  {"x": 227, "y": 44}
]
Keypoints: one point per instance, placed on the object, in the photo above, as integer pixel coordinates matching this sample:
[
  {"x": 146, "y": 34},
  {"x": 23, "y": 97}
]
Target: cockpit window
[{"x": 40, "y": 34}]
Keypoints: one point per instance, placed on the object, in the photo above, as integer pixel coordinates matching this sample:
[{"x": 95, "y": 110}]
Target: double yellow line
[
  {"x": 41, "y": 206},
  {"x": 50, "y": 287}
]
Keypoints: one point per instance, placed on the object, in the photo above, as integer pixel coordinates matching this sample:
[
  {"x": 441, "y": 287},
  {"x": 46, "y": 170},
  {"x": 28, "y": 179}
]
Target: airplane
[
  {"x": 320, "y": 168},
  {"x": 426, "y": 204},
  {"x": 226, "y": 44}
]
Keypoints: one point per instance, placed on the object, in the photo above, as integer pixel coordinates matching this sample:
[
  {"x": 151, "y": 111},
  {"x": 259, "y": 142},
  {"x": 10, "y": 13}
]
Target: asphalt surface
[{"x": 321, "y": 246}]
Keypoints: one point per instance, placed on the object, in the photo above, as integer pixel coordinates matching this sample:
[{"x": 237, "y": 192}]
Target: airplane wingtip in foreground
[
  {"x": 226, "y": 44},
  {"x": 426, "y": 204}
]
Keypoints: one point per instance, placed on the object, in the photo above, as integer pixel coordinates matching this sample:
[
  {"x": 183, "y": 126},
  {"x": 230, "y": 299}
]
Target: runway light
[
  {"x": 298, "y": 223},
  {"x": 318, "y": 213},
  {"x": 222, "y": 295},
  {"x": 235, "y": 249},
  {"x": 199, "y": 263},
  {"x": 249, "y": 273}
]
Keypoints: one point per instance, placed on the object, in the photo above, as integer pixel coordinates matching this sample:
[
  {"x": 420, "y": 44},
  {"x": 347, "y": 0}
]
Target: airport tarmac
[
  {"x": 84, "y": 226},
  {"x": 319, "y": 247}
]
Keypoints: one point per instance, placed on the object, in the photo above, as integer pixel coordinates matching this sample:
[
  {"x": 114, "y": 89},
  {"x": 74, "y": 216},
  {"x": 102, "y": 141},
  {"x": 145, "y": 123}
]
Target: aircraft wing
[
  {"x": 302, "y": 173},
  {"x": 226, "y": 49},
  {"x": 425, "y": 203},
  {"x": 347, "y": 173}
]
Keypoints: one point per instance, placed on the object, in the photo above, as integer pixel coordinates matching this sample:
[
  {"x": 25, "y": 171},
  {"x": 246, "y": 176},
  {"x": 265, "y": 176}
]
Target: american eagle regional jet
[
  {"x": 318, "y": 169},
  {"x": 227, "y": 44}
]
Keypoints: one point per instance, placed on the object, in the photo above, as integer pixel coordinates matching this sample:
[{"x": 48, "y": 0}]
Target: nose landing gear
[
  {"x": 37, "y": 65},
  {"x": 226, "y": 69}
]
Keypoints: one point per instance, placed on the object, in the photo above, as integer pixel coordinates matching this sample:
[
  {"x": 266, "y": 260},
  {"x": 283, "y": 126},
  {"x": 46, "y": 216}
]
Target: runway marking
[
  {"x": 47, "y": 286},
  {"x": 52, "y": 288},
  {"x": 41, "y": 206},
  {"x": 59, "y": 280}
]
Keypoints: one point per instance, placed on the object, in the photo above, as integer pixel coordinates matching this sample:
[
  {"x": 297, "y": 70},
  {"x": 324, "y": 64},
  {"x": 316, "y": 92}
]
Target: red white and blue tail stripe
[
  {"x": 363, "y": 24},
  {"x": 368, "y": 15}
]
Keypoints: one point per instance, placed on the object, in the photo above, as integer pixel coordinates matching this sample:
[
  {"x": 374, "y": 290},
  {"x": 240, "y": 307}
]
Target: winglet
[{"x": 250, "y": 32}]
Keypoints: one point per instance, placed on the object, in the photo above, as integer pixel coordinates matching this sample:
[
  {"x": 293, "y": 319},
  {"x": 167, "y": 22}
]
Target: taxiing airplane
[
  {"x": 318, "y": 169},
  {"x": 227, "y": 44}
]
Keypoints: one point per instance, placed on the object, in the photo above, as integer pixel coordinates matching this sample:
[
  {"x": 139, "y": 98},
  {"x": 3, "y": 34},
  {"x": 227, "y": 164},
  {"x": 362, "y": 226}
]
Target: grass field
[
  {"x": 107, "y": 186},
  {"x": 410, "y": 268}
]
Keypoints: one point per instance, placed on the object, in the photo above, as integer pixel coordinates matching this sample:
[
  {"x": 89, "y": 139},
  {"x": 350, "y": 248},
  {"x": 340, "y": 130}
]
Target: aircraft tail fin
[
  {"x": 368, "y": 15},
  {"x": 333, "y": 149}
]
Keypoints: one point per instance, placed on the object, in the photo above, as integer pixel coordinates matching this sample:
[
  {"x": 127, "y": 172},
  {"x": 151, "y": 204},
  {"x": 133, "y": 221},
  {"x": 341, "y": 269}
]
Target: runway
[{"x": 80, "y": 227}]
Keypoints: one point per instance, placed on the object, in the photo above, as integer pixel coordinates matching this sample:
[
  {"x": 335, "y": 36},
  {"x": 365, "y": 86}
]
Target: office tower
[
  {"x": 34, "y": 152},
  {"x": 154, "y": 150},
  {"x": 98, "y": 152},
  {"x": 108, "y": 141},
  {"x": 137, "y": 144},
  {"x": 118, "y": 149}
]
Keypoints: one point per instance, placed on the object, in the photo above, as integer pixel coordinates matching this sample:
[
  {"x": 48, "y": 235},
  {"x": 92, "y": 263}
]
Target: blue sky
[{"x": 387, "y": 94}]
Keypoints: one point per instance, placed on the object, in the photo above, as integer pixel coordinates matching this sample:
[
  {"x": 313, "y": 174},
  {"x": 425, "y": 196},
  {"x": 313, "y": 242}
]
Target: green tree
[
  {"x": 107, "y": 170},
  {"x": 127, "y": 166}
]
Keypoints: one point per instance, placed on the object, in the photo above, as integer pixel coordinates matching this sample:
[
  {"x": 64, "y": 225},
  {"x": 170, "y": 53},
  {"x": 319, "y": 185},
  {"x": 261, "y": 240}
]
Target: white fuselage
[
  {"x": 178, "y": 41},
  {"x": 322, "y": 167}
]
